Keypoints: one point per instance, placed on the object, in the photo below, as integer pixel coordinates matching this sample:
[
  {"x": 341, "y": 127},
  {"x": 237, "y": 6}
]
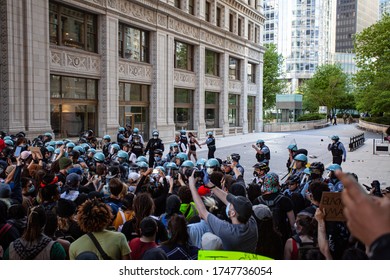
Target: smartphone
[{"x": 17, "y": 152}]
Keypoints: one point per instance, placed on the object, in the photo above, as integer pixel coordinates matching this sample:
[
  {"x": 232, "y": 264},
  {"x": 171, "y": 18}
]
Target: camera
[{"x": 197, "y": 174}]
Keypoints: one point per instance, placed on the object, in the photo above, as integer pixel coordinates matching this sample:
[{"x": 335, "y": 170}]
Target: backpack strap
[{"x": 97, "y": 245}]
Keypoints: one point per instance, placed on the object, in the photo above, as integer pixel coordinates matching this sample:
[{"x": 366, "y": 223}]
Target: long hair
[
  {"x": 36, "y": 220},
  {"x": 177, "y": 226},
  {"x": 94, "y": 215},
  {"x": 269, "y": 242},
  {"x": 308, "y": 224},
  {"x": 143, "y": 207}
]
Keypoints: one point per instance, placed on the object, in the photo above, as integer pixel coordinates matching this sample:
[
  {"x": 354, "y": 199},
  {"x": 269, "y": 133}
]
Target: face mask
[
  {"x": 227, "y": 210},
  {"x": 255, "y": 174},
  {"x": 210, "y": 170},
  {"x": 136, "y": 140},
  {"x": 157, "y": 158},
  {"x": 155, "y": 137},
  {"x": 31, "y": 189}
]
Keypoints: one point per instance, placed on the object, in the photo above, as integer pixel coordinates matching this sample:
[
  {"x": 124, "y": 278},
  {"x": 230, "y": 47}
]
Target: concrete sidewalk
[{"x": 362, "y": 162}]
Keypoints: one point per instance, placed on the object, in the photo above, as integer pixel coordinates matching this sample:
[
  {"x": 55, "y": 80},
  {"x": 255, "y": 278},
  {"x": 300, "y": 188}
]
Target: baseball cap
[
  {"x": 242, "y": 205},
  {"x": 73, "y": 179},
  {"x": 25, "y": 154},
  {"x": 262, "y": 211},
  {"x": 211, "y": 242}
]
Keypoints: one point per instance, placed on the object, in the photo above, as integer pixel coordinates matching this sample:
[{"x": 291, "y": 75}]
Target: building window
[
  {"x": 133, "y": 43},
  {"x": 257, "y": 35},
  {"x": 134, "y": 106},
  {"x": 211, "y": 113},
  {"x": 72, "y": 28},
  {"x": 251, "y": 73},
  {"x": 73, "y": 105},
  {"x": 239, "y": 27},
  {"x": 212, "y": 63},
  {"x": 191, "y": 7},
  {"x": 183, "y": 109},
  {"x": 219, "y": 17},
  {"x": 234, "y": 110},
  {"x": 231, "y": 22},
  {"x": 178, "y": 4},
  {"x": 183, "y": 56},
  {"x": 249, "y": 32},
  {"x": 234, "y": 68},
  {"x": 208, "y": 11}
]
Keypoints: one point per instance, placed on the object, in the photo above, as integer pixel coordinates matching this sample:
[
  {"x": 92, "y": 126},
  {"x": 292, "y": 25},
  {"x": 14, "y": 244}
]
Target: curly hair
[{"x": 94, "y": 215}]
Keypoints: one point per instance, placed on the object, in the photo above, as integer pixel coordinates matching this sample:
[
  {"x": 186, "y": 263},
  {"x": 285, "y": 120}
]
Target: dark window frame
[
  {"x": 144, "y": 43},
  {"x": 189, "y": 64}
]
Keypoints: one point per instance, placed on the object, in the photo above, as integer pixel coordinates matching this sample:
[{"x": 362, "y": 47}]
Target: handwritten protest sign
[
  {"x": 332, "y": 203},
  {"x": 228, "y": 255},
  {"x": 36, "y": 150}
]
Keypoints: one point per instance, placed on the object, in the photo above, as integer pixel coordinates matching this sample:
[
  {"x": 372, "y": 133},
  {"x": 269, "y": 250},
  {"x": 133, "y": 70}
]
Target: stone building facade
[{"x": 72, "y": 65}]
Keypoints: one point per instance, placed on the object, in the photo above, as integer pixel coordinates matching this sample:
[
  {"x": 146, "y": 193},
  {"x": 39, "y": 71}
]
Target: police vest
[
  {"x": 262, "y": 157},
  {"x": 336, "y": 151},
  {"x": 212, "y": 143},
  {"x": 136, "y": 148},
  {"x": 184, "y": 140}
]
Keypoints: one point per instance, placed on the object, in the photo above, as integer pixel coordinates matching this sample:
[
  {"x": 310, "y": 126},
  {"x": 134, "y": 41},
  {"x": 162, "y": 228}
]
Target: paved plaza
[{"x": 362, "y": 161}]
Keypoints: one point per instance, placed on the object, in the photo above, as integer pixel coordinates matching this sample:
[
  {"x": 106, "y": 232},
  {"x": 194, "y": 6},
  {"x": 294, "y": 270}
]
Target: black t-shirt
[
  {"x": 285, "y": 205},
  {"x": 129, "y": 231}
]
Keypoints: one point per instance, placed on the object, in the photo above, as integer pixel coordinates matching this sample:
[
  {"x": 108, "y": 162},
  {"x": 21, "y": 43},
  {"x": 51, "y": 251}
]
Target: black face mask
[{"x": 255, "y": 174}]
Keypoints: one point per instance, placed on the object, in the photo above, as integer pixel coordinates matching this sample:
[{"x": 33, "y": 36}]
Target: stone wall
[
  {"x": 374, "y": 127},
  {"x": 293, "y": 126}
]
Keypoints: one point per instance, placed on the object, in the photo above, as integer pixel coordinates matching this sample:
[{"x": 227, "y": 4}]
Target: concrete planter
[
  {"x": 295, "y": 126},
  {"x": 374, "y": 127}
]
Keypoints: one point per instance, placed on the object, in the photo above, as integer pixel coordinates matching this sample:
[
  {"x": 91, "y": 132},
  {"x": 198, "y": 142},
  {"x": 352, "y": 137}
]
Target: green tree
[
  {"x": 272, "y": 71},
  {"x": 372, "y": 81},
  {"x": 327, "y": 87}
]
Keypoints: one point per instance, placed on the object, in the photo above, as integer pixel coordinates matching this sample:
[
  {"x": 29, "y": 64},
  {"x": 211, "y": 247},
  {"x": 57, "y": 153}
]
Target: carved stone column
[
  {"x": 259, "y": 97},
  {"x": 199, "y": 94},
  {"x": 224, "y": 96},
  {"x": 25, "y": 92},
  {"x": 244, "y": 96},
  {"x": 108, "y": 87}
]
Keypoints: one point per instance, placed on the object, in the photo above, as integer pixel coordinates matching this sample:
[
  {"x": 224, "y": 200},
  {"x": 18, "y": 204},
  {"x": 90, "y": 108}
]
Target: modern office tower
[
  {"x": 302, "y": 31},
  {"x": 352, "y": 17},
  {"x": 67, "y": 66}
]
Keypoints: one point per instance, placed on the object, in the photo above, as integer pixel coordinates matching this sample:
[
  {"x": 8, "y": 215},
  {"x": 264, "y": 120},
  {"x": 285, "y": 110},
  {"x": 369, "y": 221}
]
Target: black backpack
[
  {"x": 305, "y": 247},
  {"x": 273, "y": 205}
]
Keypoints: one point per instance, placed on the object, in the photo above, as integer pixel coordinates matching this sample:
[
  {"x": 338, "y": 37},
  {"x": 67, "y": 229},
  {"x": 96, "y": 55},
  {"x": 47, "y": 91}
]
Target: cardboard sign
[
  {"x": 36, "y": 150},
  {"x": 228, "y": 255},
  {"x": 333, "y": 205}
]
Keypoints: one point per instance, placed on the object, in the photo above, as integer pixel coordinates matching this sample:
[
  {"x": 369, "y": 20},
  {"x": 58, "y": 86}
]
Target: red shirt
[{"x": 138, "y": 248}]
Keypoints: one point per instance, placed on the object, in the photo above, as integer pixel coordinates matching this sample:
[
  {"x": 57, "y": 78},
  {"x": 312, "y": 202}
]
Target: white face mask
[
  {"x": 210, "y": 170},
  {"x": 227, "y": 210}
]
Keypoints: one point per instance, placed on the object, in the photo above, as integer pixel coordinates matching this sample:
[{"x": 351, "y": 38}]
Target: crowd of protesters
[{"x": 77, "y": 200}]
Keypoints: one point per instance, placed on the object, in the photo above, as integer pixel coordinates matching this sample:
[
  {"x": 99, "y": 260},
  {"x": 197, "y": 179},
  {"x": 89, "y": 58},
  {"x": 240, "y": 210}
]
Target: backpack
[
  {"x": 304, "y": 247},
  {"x": 273, "y": 205}
]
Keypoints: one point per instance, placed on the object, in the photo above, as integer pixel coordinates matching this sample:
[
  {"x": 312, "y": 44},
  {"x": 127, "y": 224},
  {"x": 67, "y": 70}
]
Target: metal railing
[{"x": 356, "y": 142}]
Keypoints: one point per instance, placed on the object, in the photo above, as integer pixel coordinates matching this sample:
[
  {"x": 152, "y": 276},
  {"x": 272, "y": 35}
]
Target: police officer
[
  {"x": 210, "y": 142},
  {"x": 183, "y": 138},
  {"x": 337, "y": 149},
  {"x": 263, "y": 153},
  {"x": 154, "y": 143},
  {"x": 136, "y": 146},
  {"x": 106, "y": 145},
  {"x": 236, "y": 158},
  {"x": 120, "y": 137}
]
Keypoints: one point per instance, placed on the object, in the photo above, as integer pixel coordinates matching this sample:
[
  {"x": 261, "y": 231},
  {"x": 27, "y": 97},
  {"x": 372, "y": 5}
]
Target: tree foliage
[
  {"x": 327, "y": 87},
  {"x": 272, "y": 71},
  {"x": 372, "y": 81}
]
